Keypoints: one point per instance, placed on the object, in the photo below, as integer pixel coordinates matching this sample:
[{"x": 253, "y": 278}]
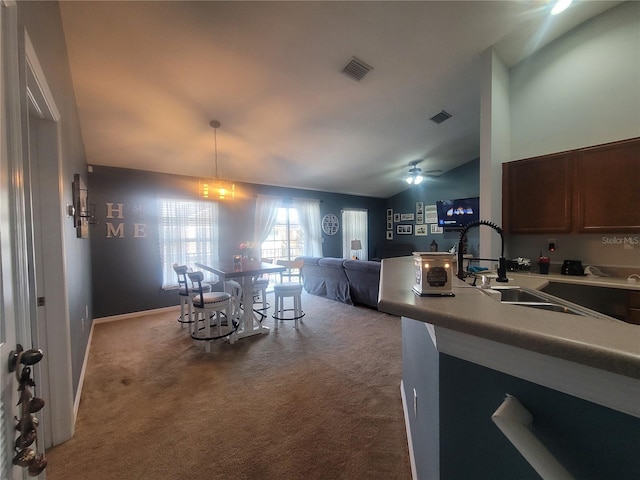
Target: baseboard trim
[
  {"x": 142, "y": 313},
  {"x": 407, "y": 425},
  {"x": 76, "y": 401},
  {"x": 113, "y": 318}
]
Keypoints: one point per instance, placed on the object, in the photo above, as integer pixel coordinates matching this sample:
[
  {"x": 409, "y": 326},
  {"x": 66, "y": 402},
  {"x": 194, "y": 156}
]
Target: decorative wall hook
[{"x": 20, "y": 362}]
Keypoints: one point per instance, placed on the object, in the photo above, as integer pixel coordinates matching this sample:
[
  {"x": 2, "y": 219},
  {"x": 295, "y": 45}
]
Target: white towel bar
[{"x": 514, "y": 421}]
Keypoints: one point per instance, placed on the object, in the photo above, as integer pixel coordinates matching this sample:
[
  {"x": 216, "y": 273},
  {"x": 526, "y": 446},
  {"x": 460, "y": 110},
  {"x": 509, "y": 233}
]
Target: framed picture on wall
[
  {"x": 435, "y": 228},
  {"x": 404, "y": 229},
  {"x": 406, "y": 216},
  {"x": 421, "y": 230},
  {"x": 419, "y": 218},
  {"x": 389, "y": 214},
  {"x": 396, "y": 217},
  {"x": 419, "y": 208},
  {"x": 389, "y": 234},
  {"x": 389, "y": 224}
]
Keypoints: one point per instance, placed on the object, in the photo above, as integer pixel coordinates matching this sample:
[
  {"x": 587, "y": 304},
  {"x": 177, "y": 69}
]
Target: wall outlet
[{"x": 552, "y": 244}]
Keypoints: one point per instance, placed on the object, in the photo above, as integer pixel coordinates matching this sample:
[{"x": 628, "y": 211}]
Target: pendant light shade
[
  {"x": 214, "y": 188},
  {"x": 415, "y": 176}
]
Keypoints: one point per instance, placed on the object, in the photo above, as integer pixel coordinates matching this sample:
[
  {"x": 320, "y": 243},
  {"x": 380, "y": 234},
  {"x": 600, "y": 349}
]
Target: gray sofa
[{"x": 354, "y": 282}]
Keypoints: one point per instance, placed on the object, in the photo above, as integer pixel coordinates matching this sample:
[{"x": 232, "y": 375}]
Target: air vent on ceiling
[
  {"x": 356, "y": 69},
  {"x": 440, "y": 117}
]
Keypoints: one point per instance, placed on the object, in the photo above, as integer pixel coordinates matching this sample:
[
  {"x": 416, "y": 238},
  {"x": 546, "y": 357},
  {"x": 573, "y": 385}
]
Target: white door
[{"x": 14, "y": 280}]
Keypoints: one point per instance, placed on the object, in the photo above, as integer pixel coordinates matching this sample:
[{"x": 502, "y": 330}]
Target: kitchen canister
[{"x": 433, "y": 273}]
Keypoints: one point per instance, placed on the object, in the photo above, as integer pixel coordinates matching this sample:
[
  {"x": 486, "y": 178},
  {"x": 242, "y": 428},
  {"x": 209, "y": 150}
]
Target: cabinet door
[
  {"x": 608, "y": 183},
  {"x": 633, "y": 309},
  {"x": 536, "y": 194}
]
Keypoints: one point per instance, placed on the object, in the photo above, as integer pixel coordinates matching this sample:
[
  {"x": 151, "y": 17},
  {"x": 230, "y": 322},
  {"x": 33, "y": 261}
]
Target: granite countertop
[{"x": 610, "y": 345}]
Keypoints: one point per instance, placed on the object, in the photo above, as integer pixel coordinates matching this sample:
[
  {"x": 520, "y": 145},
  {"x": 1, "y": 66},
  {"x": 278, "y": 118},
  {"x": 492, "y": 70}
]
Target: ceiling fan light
[
  {"x": 560, "y": 6},
  {"x": 415, "y": 174}
]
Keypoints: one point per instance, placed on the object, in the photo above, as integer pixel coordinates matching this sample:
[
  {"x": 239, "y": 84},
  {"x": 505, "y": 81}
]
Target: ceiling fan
[{"x": 416, "y": 176}]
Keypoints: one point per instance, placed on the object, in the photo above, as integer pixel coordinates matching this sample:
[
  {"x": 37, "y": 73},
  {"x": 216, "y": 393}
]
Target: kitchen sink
[
  {"x": 550, "y": 307},
  {"x": 519, "y": 295},
  {"x": 527, "y": 297}
]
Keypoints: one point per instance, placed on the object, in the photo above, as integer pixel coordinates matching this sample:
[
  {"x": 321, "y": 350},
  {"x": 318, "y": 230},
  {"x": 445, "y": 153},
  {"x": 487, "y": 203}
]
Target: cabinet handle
[{"x": 514, "y": 421}]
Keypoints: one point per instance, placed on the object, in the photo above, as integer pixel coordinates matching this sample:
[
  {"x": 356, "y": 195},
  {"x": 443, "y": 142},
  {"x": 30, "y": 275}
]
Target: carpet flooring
[{"x": 320, "y": 402}]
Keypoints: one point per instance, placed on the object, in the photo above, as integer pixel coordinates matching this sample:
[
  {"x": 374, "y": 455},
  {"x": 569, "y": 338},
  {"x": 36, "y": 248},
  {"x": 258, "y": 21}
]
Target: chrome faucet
[{"x": 502, "y": 263}]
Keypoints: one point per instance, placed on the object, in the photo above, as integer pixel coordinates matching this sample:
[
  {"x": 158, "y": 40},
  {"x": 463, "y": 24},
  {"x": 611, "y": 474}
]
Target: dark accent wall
[
  {"x": 461, "y": 182},
  {"x": 125, "y": 253}
]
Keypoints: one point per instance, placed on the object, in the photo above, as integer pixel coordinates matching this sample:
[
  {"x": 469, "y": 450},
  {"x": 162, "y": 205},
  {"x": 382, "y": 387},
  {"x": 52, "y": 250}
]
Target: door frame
[{"x": 43, "y": 158}]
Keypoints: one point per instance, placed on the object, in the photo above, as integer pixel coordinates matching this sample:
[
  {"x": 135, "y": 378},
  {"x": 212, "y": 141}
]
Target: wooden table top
[{"x": 228, "y": 269}]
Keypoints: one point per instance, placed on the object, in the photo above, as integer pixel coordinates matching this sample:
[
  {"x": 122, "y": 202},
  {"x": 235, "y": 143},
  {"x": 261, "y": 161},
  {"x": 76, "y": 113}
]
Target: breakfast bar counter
[
  {"x": 612, "y": 345},
  {"x": 579, "y": 376}
]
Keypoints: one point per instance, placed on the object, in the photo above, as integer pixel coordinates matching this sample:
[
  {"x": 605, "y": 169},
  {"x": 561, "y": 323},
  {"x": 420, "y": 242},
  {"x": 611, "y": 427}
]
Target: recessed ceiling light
[{"x": 560, "y": 6}]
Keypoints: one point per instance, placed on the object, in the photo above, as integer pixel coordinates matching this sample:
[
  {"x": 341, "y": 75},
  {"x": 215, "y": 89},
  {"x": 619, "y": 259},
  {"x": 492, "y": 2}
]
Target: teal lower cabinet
[{"x": 453, "y": 383}]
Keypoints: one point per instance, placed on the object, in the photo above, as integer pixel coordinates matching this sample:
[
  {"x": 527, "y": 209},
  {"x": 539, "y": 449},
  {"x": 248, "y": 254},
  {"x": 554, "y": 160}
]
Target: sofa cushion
[
  {"x": 364, "y": 281},
  {"x": 312, "y": 276},
  {"x": 336, "y": 281}
]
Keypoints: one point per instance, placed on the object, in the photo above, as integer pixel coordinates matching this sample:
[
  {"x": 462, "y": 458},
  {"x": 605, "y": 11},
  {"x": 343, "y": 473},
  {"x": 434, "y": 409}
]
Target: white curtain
[
  {"x": 354, "y": 227},
  {"x": 265, "y": 219},
  {"x": 309, "y": 216},
  {"x": 188, "y": 233}
]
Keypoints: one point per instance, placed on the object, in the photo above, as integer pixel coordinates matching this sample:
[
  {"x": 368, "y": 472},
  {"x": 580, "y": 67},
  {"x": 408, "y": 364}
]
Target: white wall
[
  {"x": 581, "y": 90},
  {"x": 494, "y": 147}
]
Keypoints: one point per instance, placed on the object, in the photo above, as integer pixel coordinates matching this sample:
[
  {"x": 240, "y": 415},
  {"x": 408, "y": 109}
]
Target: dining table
[{"x": 243, "y": 272}]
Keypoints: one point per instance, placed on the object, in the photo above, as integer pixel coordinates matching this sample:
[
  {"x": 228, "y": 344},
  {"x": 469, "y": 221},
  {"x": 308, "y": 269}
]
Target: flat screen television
[{"x": 458, "y": 213}]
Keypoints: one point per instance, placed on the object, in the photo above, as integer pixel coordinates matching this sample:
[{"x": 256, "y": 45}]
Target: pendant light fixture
[
  {"x": 415, "y": 176},
  {"x": 215, "y": 188}
]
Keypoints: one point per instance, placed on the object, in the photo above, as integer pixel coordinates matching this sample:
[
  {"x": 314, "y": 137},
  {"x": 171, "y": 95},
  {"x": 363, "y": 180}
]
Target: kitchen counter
[
  {"x": 607, "y": 345},
  {"x": 607, "y": 282},
  {"x": 578, "y": 377}
]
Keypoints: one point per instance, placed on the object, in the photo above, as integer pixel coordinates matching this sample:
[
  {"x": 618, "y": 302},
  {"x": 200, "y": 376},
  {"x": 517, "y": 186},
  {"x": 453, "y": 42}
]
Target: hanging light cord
[{"x": 215, "y": 150}]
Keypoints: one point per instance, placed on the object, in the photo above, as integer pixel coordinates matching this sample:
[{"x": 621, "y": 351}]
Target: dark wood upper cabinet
[
  {"x": 608, "y": 188},
  {"x": 536, "y": 194},
  {"x": 589, "y": 190}
]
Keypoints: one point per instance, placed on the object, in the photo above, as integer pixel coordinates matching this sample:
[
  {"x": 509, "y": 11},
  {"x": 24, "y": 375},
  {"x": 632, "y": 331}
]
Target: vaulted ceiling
[{"x": 150, "y": 76}]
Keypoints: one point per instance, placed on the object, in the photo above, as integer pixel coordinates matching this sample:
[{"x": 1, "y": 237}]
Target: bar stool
[
  {"x": 234, "y": 289},
  {"x": 185, "y": 293},
  {"x": 285, "y": 290},
  {"x": 260, "y": 286},
  {"x": 205, "y": 305}
]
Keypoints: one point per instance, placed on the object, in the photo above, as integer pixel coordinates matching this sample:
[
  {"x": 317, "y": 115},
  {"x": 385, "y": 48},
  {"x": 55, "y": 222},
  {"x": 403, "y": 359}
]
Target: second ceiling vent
[
  {"x": 356, "y": 69},
  {"x": 440, "y": 117}
]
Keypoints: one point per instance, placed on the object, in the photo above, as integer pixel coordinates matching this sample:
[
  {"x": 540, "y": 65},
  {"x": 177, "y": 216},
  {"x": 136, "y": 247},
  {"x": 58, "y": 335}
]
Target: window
[
  {"x": 188, "y": 232},
  {"x": 286, "y": 238},
  {"x": 354, "y": 227}
]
